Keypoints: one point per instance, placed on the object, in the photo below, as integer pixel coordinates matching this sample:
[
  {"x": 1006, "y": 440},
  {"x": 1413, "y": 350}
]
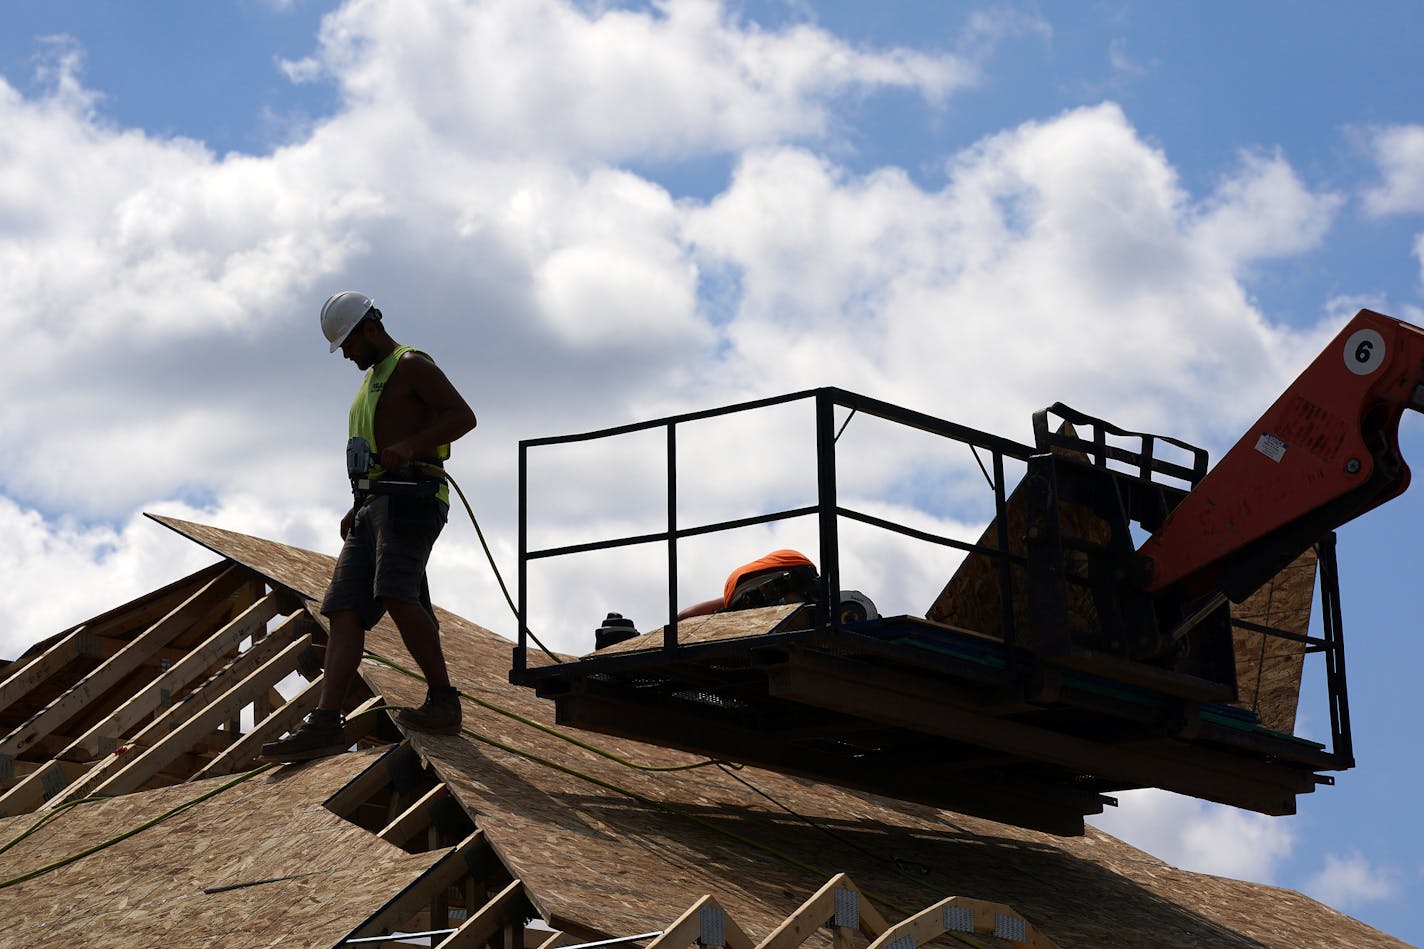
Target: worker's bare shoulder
[{"x": 417, "y": 369}]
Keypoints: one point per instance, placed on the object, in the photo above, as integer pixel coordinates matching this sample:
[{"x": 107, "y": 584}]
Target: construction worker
[
  {"x": 409, "y": 413},
  {"x": 790, "y": 575}
]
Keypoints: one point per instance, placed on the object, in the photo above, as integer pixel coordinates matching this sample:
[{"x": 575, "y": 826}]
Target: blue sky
[{"x": 594, "y": 213}]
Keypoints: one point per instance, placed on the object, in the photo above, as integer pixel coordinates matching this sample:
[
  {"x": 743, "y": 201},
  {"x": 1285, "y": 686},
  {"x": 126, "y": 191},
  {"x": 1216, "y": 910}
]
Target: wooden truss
[
  {"x": 840, "y": 907},
  {"x": 185, "y": 683}
]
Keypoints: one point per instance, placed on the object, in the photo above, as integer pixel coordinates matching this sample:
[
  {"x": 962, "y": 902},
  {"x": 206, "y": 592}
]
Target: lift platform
[{"x": 1029, "y": 693}]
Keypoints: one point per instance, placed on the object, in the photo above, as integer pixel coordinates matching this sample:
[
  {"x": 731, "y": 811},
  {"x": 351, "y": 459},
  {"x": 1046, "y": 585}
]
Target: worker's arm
[
  {"x": 452, "y": 416},
  {"x": 705, "y": 608}
]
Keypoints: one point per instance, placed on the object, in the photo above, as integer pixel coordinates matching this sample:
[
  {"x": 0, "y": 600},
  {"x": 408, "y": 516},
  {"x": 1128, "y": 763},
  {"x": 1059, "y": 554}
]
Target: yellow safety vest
[{"x": 362, "y": 420}]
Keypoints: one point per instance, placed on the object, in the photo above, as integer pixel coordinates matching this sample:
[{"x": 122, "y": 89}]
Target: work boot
[
  {"x": 320, "y": 735},
  {"x": 440, "y": 715}
]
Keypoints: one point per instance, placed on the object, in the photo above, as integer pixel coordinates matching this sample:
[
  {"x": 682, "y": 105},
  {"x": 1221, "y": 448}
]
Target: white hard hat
[{"x": 340, "y": 314}]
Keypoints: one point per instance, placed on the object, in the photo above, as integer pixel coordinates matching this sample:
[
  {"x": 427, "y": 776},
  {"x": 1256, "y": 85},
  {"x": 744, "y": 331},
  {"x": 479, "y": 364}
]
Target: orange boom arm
[{"x": 1323, "y": 454}]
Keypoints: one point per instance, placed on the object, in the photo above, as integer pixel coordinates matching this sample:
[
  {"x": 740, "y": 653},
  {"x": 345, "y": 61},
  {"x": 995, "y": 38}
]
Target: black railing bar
[
  {"x": 826, "y": 616},
  {"x": 1102, "y": 428},
  {"x": 669, "y": 420},
  {"x": 1119, "y": 452},
  {"x": 964, "y": 545},
  {"x": 521, "y": 650},
  {"x": 975, "y": 451},
  {"x": 596, "y": 545},
  {"x": 680, "y": 533},
  {"x": 841, "y": 431},
  {"x": 1006, "y": 579},
  {"x": 670, "y": 631},
  {"x": 746, "y": 521},
  {"x": 1277, "y": 632},
  {"x": 1127, "y": 457},
  {"x": 929, "y": 423}
]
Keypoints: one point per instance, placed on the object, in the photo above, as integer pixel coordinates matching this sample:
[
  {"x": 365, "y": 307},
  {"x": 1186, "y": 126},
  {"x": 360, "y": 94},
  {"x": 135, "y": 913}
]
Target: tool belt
[{"x": 415, "y": 480}]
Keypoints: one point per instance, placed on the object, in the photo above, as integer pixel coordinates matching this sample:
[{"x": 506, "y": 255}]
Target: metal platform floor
[{"x": 913, "y": 710}]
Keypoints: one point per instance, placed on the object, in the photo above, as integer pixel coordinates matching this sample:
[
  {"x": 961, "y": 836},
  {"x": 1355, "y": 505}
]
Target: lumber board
[
  {"x": 416, "y": 817},
  {"x": 692, "y": 927},
  {"x": 102, "y": 737},
  {"x": 811, "y": 915},
  {"x": 260, "y": 864},
  {"x": 495, "y": 915},
  {"x": 533, "y": 939},
  {"x": 30, "y": 675},
  {"x": 1058, "y": 810},
  {"x": 96, "y": 683},
  {"x": 137, "y": 615},
  {"x": 364, "y": 786},
  {"x": 973, "y": 596},
  {"x": 243, "y": 752},
  {"x": 738, "y": 624},
  {"x": 928, "y": 924},
  {"x": 452, "y": 865},
  {"x": 147, "y": 762},
  {"x": 164, "y": 724},
  {"x": 1268, "y": 668}
]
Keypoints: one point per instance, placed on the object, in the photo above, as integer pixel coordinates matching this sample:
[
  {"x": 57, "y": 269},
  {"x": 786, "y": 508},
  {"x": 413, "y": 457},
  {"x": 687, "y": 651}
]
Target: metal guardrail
[
  {"x": 827, "y": 509},
  {"x": 1142, "y": 464}
]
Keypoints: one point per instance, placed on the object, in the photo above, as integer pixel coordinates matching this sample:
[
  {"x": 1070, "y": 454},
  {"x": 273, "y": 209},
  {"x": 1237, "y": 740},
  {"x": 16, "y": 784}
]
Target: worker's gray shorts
[{"x": 384, "y": 556}]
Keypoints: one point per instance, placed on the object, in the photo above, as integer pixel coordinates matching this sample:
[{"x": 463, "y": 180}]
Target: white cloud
[
  {"x": 1399, "y": 152},
  {"x": 1200, "y": 836},
  {"x": 1264, "y": 210},
  {"x": 164, "y": 297},
  {"x": 1347, "y": 881},
  {"x": 518, "y": 77},
  {"x": 1053, "y": 247},
  {"x": 60, "y": 571}
]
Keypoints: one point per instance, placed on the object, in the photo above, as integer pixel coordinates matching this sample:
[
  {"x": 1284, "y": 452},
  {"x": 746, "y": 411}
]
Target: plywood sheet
[
  {"x": 973, "y": 597},
  {"x": 261, "y": 863},
  {"x": 1268, "y": 668},
  {"x": 606, "y": 849},
  {"x": 738, "y": 624}
]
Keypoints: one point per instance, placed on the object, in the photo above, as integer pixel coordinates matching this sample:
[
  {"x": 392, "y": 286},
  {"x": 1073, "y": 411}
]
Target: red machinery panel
[{"x": 1324, "y": 453}]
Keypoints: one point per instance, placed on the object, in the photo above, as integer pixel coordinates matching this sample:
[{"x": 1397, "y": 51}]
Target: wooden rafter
[
  {"x": 423, "y": 892},
  {"x": 146, "y": 763},
  {"x": 501, "y": 913},
  {"x": 706, "y": 923},
  {"x": 93, "y": 638},
  {"x": 120, "y": 665},
  {"x": 840, "y": 905},
  {"x": 962, "y": 914},
  {"x": 416, "y": 817},
  {"x": 170, "y": 719},
  {"x": 26, "y": 678}
]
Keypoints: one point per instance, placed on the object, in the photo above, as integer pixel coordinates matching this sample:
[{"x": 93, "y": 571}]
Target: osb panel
[
  {"x": 1268, "y": 668},
  {"x": 150, "y": 887},
  {"x": 738, "y": 624},
  {"x": 606, "y": 861},
  {"x": 973, "y": 597}
]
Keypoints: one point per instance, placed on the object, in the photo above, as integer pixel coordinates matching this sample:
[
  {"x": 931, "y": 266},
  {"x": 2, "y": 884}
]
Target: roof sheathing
[
  {"x": 605, "y": 849},
  {"x": 260, "y": 863}
]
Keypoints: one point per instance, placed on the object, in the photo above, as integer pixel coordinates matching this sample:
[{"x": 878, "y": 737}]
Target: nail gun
[{"x": 360, "y": 460}]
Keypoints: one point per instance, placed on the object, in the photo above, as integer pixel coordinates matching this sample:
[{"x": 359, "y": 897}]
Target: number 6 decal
[{"x": 1364, "y": 352}]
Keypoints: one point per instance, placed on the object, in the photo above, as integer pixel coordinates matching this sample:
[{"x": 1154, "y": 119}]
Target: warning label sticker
[{"x": 1271, "y": 446}]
